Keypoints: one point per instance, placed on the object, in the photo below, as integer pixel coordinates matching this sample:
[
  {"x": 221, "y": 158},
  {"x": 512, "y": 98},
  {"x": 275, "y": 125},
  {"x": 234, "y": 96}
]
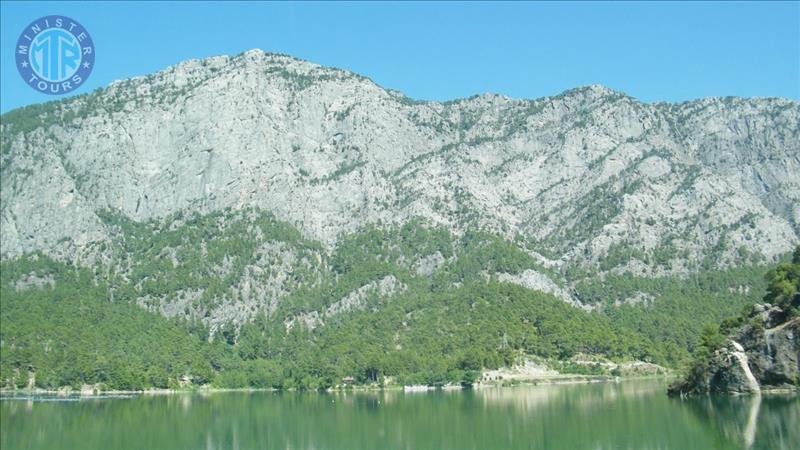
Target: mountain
[
  {"x": 283, "y": 208},
  {"x": 577, "y": 174}
]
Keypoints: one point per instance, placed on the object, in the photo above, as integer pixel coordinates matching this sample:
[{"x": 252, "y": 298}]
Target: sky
[{"x": 670, "y": 51}]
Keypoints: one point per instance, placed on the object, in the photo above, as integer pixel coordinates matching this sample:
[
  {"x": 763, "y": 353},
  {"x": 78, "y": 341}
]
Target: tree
[{"x": 783, "y": 287}]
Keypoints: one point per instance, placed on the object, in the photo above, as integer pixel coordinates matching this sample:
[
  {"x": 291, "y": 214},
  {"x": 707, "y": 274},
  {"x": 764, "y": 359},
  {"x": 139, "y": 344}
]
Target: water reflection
[
  {"x": 628, "y": 415},
  {"x": 586, "y": 397},
  {"x": 759, "y": 421},
  {"x": 752, "y": 421}
]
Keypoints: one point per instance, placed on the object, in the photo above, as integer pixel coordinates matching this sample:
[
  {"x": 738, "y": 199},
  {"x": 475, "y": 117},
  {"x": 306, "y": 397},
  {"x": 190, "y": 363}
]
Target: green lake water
[{"x": 627, "y": 415}]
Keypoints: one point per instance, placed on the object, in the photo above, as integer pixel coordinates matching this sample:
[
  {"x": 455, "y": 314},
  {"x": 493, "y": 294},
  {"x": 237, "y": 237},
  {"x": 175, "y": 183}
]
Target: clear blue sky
[{"x": 652, "y": 51}]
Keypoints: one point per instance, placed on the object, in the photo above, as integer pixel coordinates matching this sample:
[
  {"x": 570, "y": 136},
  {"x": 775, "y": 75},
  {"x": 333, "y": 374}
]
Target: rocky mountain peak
[{"x": 583, "y": 177}]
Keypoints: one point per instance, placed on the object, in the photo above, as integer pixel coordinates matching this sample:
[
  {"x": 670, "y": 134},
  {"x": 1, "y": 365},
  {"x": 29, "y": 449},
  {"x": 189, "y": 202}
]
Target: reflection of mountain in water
[
  {"x": 624, "y": 416},
  {"x": 757, "y": 422},
  {"x": 583, "y": 397}
]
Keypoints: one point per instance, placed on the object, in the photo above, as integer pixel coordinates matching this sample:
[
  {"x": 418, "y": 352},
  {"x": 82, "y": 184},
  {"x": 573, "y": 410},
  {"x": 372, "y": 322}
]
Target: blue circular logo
[{"x": 55, "y": 55}]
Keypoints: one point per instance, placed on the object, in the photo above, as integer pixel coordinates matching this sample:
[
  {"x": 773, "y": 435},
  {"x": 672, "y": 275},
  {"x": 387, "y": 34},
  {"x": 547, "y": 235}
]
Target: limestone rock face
[
  {"x": 763, "y": 354},
  {"x": 539, "y": 282},
  {"x": 731, "y": 372},
  {"x": 776, "y": 358},
  {"x": 356, "y": 300},
  {"x": 581, "y": 175}
]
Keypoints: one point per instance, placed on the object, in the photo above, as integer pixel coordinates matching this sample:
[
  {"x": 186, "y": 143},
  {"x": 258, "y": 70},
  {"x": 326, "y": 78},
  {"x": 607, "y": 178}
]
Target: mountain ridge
[
  {"x": 194, "y": 62},
  {"x": 485, "y": 137},
  {"x": 277, "y": 209}
]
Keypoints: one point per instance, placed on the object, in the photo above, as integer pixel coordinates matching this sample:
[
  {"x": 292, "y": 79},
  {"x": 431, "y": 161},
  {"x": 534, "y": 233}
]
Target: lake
[{"x": 626, "y": 415}]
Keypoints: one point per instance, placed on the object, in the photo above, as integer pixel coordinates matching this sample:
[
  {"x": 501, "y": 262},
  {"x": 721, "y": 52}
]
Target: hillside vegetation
[{"x": 72, "y": 325}]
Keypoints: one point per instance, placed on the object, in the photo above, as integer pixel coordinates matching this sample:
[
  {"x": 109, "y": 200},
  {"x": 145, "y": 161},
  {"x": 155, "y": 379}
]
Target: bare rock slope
[{"x": 579, "y": 176}]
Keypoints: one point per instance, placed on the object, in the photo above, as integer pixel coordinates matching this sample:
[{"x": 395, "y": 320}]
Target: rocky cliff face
[
  {"x": 590, "y": 177},
  {"x": 762, "y": 355}
]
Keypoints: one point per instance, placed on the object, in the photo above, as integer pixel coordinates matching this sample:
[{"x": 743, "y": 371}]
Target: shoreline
[{"x": 565, "y": 379}]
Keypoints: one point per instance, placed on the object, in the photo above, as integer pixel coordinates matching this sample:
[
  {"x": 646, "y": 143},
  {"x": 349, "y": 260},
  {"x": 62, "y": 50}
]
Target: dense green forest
[
  {"x": 67, "y": 333},
  {"x": 680, "y": 307},
  {"x": 70, "y": 325}
]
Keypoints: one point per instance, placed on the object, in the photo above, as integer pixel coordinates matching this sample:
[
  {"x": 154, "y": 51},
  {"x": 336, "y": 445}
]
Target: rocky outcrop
[
  {"x": 536, "y": 281},
  {"x": 761, "y": 355},
  {"x": 775, "y": 356},
  {"x": 355, "y": 300}
]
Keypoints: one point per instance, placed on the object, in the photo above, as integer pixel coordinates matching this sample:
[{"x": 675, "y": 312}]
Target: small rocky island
[{"x": 757, "y": 351}]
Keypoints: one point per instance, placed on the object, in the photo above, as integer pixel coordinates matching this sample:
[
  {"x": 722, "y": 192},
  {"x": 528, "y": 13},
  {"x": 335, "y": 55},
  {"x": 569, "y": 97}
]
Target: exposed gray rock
[
  {"x": 776, "y": 358},
  {"x": 536, "y": 281},
  {"x": 639, "y": 298},
  {"x": 356, "y": 300},
  {"x": 580, "y": 174},
  {"x": 763, "y": 354},
  {"x": 429, "y": 264},
  {"x": 34, "y": 280},
  {"x": 383, "y": 288}
]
